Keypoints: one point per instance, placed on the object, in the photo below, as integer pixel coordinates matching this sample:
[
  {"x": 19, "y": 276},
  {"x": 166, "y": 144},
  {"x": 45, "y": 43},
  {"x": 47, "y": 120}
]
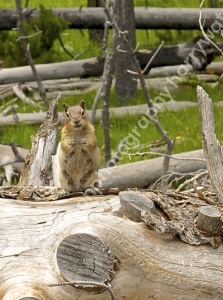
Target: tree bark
[
  {"x": 125, "y": 83},
  {"x": 145, "y": 18}
]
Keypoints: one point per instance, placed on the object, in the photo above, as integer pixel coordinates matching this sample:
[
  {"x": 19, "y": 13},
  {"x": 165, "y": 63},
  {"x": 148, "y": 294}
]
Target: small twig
[
  {"x": 28, "y": 36},
  {"x": 64, "y": 48},
  {"x": 162, "y": 154},
  {"x": 198, "y": 176},
  {"x": 152, "y": 58},
  {"x": 83, "y": 284},
  {"x": 202, "y": 29},
  {"x": 79, "y": 54}
]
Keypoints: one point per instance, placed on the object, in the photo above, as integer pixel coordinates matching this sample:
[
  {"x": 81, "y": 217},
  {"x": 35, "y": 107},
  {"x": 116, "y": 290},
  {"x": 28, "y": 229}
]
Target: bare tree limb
[
  {"x": 165, "y": 155},
  {"x": 64, "y": 48},
  {"x": 18, "y": 157},
  {"x": 196, "y": 177},
  {"x": 19, "y": 93},
  {"x": 152, "y": 110},
  {"x": 151, "y": 59},
  {"x": 202, "y": 29},
  {"x": 105, "y": 49},
  {"x": 27, "y": 53}
]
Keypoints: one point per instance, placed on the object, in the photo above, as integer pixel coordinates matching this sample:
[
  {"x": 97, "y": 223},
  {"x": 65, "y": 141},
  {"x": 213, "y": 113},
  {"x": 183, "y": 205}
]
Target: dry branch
[{"x": 28, "y": 53}]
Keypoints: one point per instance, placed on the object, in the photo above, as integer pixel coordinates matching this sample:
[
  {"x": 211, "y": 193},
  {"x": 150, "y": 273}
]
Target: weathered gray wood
[
  {"x": 146, "y": 263},
  {"x": 167, "y": 56},
  {"x": 37, "y": 167},
  {"x": 133, "y": 203},
  {"x": 209, "y": 220},
  {"x": 119, "y": 112},
  {"x": 145, "y": 18},
  {"x": 125, "y": 84},
  {"x": 211, "y": 145},
  {"x": 89, "y": 257},
  {"x": 141, "y": 174}
]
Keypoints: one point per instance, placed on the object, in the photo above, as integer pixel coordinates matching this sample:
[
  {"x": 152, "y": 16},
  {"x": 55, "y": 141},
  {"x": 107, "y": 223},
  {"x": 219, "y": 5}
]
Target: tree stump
[{"x": 209, "y": 220}]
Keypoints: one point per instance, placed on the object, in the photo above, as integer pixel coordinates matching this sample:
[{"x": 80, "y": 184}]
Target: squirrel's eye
[
  {"x": 83, "y": 113},
  {"x": 67, "y": 114}
]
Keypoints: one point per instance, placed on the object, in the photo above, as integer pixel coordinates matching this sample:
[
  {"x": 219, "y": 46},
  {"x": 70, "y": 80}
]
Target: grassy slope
[{"x": 183, "y": 124}]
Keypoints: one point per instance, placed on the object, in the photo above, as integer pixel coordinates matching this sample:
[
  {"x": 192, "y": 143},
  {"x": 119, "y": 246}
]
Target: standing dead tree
[{"x": 151, "y": 112}]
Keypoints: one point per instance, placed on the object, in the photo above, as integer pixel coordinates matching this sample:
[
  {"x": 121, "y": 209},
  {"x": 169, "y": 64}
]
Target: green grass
[{"x": 183, "y": 124}]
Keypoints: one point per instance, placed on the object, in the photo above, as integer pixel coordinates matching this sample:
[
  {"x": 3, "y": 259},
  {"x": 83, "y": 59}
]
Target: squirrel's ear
[
  {"x": 65, "y": 106},
  {"x": 82, "y": 104}
]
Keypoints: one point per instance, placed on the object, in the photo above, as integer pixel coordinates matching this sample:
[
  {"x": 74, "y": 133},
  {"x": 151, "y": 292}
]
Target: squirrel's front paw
[
  {"x": 83, "y": 141},
  {"x": 72, "y": 143}
]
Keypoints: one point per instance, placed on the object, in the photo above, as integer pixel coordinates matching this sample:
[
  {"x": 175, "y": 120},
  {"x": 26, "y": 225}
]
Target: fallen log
[
  {"x": 119, "y": 112},
  {"x": 88, "y": 242},
  {"x": 167, "y": 56},
  {"x": 141, "y": 174},
  {"x": 145, "y": 18}
]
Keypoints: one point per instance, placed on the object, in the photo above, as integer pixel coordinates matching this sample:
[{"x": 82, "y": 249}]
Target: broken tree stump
[
  {"x": 209, "y": 220},
  {"x": 211, "y": 145},
  {"x": 37, "y": 169}
]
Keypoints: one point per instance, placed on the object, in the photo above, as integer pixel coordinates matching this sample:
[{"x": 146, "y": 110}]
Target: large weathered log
[
  {"x": 141, "y": 174},
  {"x": 145, "y": 18},
  {"x": 119, "y": 112},
  {"x": 167, "y": 56},
  {"x": 45, "y": 244}
]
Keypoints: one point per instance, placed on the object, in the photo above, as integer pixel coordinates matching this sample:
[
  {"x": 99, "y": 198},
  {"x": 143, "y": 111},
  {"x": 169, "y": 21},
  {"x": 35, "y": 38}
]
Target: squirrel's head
[{"x": 75, "y": 116}]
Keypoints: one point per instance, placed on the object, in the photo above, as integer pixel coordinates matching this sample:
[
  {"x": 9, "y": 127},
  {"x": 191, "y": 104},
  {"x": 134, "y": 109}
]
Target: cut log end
[
  {"x": 84, "y": 257},
  {"x": 28, "y": 298},
  {"x": 133, "y": 204},
  {"x": 209, "y": 220}
]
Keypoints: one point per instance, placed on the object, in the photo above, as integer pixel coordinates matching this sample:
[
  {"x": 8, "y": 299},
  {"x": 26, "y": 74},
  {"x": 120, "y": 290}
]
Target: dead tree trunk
[
  {"x": 95, "y": 35},
  {"x": 125, "y": 85}
]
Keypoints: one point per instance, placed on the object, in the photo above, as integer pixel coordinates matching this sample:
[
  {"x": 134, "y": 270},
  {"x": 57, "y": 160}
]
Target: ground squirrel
[{"x": 79, "y": 155}]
